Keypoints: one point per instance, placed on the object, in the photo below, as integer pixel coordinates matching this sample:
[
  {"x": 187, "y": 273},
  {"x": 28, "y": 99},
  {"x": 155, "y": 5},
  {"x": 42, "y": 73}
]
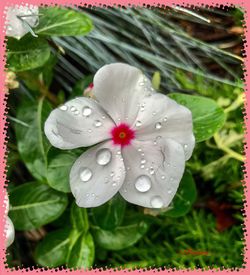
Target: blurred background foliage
[{"x": 196, "y": 52}]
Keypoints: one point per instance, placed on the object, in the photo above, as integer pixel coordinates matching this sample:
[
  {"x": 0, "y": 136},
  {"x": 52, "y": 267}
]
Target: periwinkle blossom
[
  {"x": 143, "y": 140},
  {"x": 10, "y": 230},
  {"x": 20, "y": 20}
]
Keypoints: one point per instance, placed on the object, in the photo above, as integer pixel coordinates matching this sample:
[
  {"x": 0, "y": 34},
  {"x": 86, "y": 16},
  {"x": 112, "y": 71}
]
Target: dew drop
[
  {"x": 103, "y": 117},
  {"x": 114, "y": 184},
  {"x": 143, "y": 161},
  {"x": 139, "y": 149},
  {"x": 89, "y": 130},
  {"x": 165, "y": 119},
  {"x": 143, "y": 183},
  {"x": 103, "y": 156},
  {"x": 141, "y": 84},
  {"x": 97, "y": 123},
  {"x": 85, "y": 174},
  {"x": 163, "y": 177},
  {"x": 154, "y": 113},
  {"x": 158, "y": 126},
  {"x": 72, "y": 109},
  {"x": 112, "y": 174},
  {"x": 156, "y": 202},
  {"x": 185, "y": 146},
  {"x": 142, "y": 166},
  {"x": 138, "y": 124},
  {"x": 86, "y": 111},
  {"x": 63, "y": 108},
  {"x": 151, "y": 171},
  {"x": 170, "y": 191}
]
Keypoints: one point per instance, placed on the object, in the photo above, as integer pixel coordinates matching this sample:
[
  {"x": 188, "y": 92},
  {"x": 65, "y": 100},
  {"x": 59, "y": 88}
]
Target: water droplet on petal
[
  {"x": 112, "y": 174},
  {"x": 158, "y": 126},
  {"x": 163, "y": 177},
  {"x": 142, "y": 166},
  {"x": 97, "y": 123},
  {"x": 139, "y": 149},
  {"x": 143, "y": 183},
  {"x": 72, "y": 109},
  {"x": 165, "y": 119},
  {"x": 141, "y": 84},
  {"x": 151, "y": 171},
  {"x": 63, "y": 108},
  {"x": 114, "y": 184},
  {"x": 85, "y": 174},
  {"x": 143, "y": 161},
  {"x": 103, "y": 156},
  {"x": 154, "y": 113},
  {"x": 89, "y": 130},
  {"x": 138, "y": 124},
  {"x": 86, "y": 111},
  {"x": 156, "y": 202},
  {"x": 170, "y": 191},
  {"x": 185, "y": 146}
]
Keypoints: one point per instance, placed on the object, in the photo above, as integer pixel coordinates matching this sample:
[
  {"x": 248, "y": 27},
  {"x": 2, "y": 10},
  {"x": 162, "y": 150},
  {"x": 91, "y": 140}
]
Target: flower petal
[
  {"x": 164, "y": 117},
  {"x": 80, "y": 122},
  {"x": 17, "y": 16},
  {"x": 97, "y": 175},
  {"x": 10, "y": 232},
  {"x": 120, "y": 88},
  {"x": 153, "y": 172}
]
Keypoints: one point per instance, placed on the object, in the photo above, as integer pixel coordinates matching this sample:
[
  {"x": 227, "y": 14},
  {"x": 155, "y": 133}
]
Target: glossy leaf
[
  {"x": 55, "y": 21},
  {"x": 110, "y": 215},
  {"x": 27, "y": 53},
  {"x": 120, "y": 238},
  {"x": 35, "y": 204},
  {"x": 83, "y": 252},
  {"x": 59, "y": 166},
  {"x": 208, "y": 117},
  {"x": 53, "y": 249},
  {"x": 79, "y": 218},
  {"x": 184, "y": 198},
  {"x": 31, "y": 141}
]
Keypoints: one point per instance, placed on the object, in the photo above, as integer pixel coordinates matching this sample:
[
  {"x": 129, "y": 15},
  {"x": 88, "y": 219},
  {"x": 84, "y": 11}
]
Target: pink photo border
[{"x": 245, "y": 4}]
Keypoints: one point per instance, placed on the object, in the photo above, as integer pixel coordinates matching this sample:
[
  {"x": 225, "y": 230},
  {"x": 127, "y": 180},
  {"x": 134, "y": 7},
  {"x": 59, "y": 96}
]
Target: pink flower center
[{"x": 122, "y": 134}]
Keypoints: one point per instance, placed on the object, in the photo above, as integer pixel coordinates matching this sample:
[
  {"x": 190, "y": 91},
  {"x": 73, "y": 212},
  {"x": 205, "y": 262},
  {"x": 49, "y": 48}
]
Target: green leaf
[
  {"x": 31, "y": 141},
  {"x": 53, "y": 249},
  {"x": 35, "y": 204},
  {"x": 156, "y": 80},
  {"x": 110, "y": 215},
  {"x": 83, "y": 252},
  {"x": 208, "y": 117},
  {"x": 184, "y": 198},
  {"x": 26, "y": 54},
  {"x": 80, "y": 86},
  {"x": 59, "y": 166},
  {"x": 120, "y": 238},
  {"x": 56, "y": 21},
  {"x": 79, "y": 218}
]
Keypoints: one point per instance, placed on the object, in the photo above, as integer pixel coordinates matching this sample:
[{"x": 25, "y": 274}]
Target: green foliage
[
  {"x": 31, "y": 141},
  {"x": 79, "y": 219},
  {"x": 110, "y": 215},
  {"x": 53, "y": 249},
  {"x": 83, "y": 252},
  {"x": 35, "y": 204},
  {"x": 121, "y": 237},
  {"x": 208, "y": 117},
  {"x": 184, "y": 198},
  {"x": 27, "y": 53},
  {"x": 63, "y": 22},
  {"x": 59, "y": 165},
  {"x": 118, "y": 233}
]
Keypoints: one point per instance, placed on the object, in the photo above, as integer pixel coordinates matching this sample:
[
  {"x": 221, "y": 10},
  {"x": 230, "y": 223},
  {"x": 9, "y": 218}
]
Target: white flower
[
  {"x": 10, "y": 230},
  {"x": 144, "y": 139},
  {"x": 20, "y": 20}
]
